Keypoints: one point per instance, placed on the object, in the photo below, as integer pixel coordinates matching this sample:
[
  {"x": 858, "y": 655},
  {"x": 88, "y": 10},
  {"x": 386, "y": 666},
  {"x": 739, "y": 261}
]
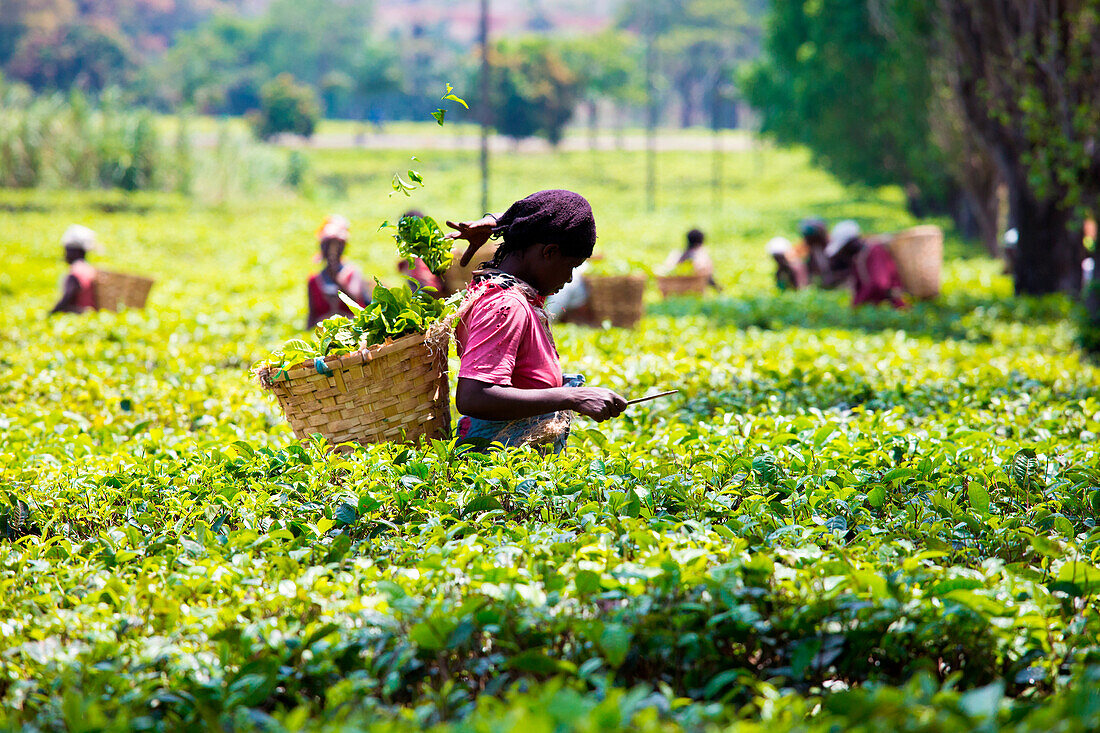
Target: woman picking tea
[
  {"x": 511, "y": 389},
  {"x": 323, "y": 289},
  {"x": 695, "y": 256},
  {"x": 78, "y": 285}
]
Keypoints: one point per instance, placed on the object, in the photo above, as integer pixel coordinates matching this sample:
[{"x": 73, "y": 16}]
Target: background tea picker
[
  {"x": 323, "y": 288},
  {"x": 78, "y": 284}
]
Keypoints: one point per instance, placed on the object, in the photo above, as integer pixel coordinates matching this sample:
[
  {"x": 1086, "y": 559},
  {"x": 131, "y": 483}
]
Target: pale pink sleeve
[
  {"x": 354, "y": 285},
  {"x": 493, "y": 334},
  {"x": 702, "y": 262},
  {"x": 670, "y": 262}
]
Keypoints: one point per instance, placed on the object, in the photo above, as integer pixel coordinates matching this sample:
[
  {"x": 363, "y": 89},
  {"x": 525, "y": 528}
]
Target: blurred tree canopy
[
  {"x": 1027, "y": 76},
  {"x": 216, "y": 55},
  {"x": 699, "y": 44},
  {"x": 90, "y": 44},
  {"x": 949, "y": 100},
  {"x": 855, "y": 86},
  {"x": 608, "y": 66},
  {"x": 222, "y": 65},
  {"x": 286, "y": 106},
  {"x": 533, "y": 90},
  {"x": 73, "y": 55}
]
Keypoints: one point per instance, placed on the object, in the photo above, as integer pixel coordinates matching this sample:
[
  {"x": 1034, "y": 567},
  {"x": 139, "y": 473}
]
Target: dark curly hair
[{"x": 555, "y": 216}]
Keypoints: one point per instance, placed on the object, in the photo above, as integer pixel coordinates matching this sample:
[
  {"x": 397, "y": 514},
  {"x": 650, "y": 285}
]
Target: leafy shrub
[{"x": 286, "y": 106}]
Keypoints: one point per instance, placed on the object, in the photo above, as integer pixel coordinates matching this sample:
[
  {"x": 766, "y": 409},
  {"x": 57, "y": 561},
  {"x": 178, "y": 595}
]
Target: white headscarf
[
  {"x": 779, "y": 246},
  {"x": 80, "y": 237},
  {"x": 844, "y": 232}
]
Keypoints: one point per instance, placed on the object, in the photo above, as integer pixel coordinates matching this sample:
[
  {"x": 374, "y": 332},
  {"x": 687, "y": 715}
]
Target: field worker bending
[
  {"x": 694, "y": 254},
  {"x": 78, "y": 285},
  {"x": 875, "y": 276},
  {"x": 337, "y": 276},
  {"x": 511, "y": 389},
  {"x": 819, "y": 268},
  {"x": 790, "y": 269}
]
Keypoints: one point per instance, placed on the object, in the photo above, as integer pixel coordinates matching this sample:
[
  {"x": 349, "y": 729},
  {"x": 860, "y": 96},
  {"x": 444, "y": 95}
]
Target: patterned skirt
[{"x": 548, "y": 432}]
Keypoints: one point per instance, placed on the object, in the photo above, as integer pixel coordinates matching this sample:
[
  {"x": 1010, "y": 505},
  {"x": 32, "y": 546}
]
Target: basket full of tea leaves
[
  {"x": 682, "y": 280},
  {"x": 378, "y": 376}
]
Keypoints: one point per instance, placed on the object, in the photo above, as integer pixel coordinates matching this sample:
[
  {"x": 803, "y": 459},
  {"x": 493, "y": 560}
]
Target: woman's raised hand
[
  {"x": 597, "y": 403},
  {"x": 477, "y": 233}
]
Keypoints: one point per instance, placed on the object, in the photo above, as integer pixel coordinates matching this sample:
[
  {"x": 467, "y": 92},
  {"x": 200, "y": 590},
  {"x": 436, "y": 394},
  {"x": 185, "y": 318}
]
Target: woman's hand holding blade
[{"x": 596, "y": 402}]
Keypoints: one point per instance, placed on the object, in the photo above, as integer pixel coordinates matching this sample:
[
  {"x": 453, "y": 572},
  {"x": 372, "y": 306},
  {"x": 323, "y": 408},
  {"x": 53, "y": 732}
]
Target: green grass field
[
  {"x": 210, "y": 125},
  {"x": 845, "y": 520}
]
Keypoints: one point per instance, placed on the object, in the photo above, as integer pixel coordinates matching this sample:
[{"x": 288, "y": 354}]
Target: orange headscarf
[{"x": 334, "y": 227}]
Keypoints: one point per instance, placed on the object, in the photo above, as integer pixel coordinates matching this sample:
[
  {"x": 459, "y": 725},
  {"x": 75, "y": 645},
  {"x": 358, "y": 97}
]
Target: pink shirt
[
  {"x": 85, "y": 276},
  {"x": 501, "y": 340},
  {"x": 876, "y": 277}
]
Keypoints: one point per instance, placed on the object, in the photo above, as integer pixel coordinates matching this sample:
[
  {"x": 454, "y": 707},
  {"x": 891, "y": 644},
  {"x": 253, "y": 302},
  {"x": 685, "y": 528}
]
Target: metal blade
[{"x": 647, "y": 398}]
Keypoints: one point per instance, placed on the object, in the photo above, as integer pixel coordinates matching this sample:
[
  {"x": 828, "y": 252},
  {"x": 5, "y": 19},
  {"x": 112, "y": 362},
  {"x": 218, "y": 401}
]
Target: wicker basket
[
  {"x": 616, "y": 298},
  {"x": 918, "y": 253},
  {"x": 395, "y": 392},
  {"x": 116, "y": 290},
  {"x": 673, "y": 285}
]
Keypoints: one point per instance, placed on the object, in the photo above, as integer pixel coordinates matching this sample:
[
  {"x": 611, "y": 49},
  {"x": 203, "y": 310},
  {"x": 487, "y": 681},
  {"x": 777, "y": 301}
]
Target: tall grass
[{"x": 58, "y": 141}]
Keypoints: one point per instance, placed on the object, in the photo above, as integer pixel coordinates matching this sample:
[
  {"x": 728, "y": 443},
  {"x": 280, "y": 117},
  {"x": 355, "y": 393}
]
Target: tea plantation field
[{"x": 845, "y": 520}]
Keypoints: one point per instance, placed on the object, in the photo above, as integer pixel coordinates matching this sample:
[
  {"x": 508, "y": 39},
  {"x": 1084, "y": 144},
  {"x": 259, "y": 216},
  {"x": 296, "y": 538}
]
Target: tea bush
[{"x": 846, "y": 519}]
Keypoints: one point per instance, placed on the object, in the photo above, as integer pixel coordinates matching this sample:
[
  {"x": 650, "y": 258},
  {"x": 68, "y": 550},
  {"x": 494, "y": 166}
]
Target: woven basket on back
[
  {"x": 918, "y": 253},
  {"x": 616, "y": 298},
  {"x": 394, "y": 392},
  {"x": 117, "y": 290},
  {"x": 671, "y": 285}
]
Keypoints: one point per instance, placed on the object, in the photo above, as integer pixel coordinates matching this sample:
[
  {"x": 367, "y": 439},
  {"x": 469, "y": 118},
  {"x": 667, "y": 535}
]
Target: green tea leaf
[
  {"x": 979, "y": 497},
  {"x": 615, "y": 643},
  {"x": 1025, "y": 467}
]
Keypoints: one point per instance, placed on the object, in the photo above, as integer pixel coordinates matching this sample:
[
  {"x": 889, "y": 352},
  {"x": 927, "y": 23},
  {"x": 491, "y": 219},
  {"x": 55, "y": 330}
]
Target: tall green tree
[
  {"x": 608, "y": 66},
  {"x": 862, "y": 84},
  {"x": 219, "y": 67},
  {"x": 311, "y": 38},
  {"x": 534, "y": 92},
  {"x": 286, "y": 106},
  {"x": 857, "y": 98},
  {"x": 222, "y": 65},
  {"x": 1028, "y": 79},
  {"x": 18, "y": 18},
  {"x": 699, "y": 45}
]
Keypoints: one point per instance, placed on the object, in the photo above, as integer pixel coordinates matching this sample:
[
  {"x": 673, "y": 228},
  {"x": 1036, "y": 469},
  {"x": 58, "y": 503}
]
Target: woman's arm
[
  {"x": 829, "y": 274},
  {"x": 67, "y": 302},
  {"x": 477, "y": 233},
  {"x": 312, "y": 315},
  {"x": 495, "y": 402}
]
